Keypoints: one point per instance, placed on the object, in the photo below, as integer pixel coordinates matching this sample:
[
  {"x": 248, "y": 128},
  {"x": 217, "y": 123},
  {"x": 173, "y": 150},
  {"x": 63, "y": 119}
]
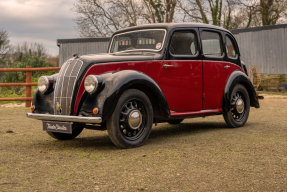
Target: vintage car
[{"x": 151, "y": 74}]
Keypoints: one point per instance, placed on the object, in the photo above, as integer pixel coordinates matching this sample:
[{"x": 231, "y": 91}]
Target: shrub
[{"x": 23, "y": 61}]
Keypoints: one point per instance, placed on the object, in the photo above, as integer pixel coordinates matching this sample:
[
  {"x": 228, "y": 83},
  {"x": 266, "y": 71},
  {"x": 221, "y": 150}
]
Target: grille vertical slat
[{"x": 65, "y": 86}]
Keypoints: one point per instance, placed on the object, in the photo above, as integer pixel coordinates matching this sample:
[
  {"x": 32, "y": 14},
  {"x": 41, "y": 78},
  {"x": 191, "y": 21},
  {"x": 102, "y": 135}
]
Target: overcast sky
[{"x": 41, "y": 21}]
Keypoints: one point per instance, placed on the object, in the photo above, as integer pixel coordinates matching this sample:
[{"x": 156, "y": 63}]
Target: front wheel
[
  {"x": 131, "y": 122},
  {"x": 239, "y": 107}
]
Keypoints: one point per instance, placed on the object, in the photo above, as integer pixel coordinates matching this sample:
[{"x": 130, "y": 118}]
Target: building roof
[
  {"x": 82, "y": 40},
  {"x": 262, "y": 28}
]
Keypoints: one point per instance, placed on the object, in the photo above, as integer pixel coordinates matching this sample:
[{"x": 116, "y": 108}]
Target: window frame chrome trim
[{"x": 135, "y": 50}]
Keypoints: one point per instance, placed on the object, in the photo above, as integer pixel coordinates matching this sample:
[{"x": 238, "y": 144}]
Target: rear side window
[
  {"x": 183, "y": 43},
  {"x": 230, "y": 48},
  {"x": 211, "y": 44}
]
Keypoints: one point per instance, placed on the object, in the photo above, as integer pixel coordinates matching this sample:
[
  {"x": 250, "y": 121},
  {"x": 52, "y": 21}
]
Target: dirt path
[{"x": 198, "y": 155}]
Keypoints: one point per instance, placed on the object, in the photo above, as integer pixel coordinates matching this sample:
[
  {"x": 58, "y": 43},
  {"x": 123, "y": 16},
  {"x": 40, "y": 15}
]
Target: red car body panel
[
  {"x": 215, "y": 76},
  {"x": 181, "y": 83},
  {"x": 184, "y": 83},
  {"x": 151, "y": 68}
]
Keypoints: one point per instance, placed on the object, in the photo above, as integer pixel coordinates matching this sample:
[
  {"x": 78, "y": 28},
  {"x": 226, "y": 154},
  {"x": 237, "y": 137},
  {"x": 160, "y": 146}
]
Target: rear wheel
[
  {"x": 131, "y": 122},
  {"x": 77, "y": 129},
  {"x": 239, "y": 107}
]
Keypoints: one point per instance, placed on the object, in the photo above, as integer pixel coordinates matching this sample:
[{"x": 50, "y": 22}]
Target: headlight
[
  {"x": 43, "y": 84},
  {"x": 91, "y": 84}
]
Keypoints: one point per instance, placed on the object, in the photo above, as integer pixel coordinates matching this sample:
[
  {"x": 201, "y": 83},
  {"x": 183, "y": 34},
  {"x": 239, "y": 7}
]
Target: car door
[
  {"x": 181, "y": 75},
  {"x": 216, "y": 68}
]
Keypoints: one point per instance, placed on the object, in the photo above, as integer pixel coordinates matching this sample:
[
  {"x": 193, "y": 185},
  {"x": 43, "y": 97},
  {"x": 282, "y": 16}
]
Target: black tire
[
  {"x": 77, "y": 129},
  {"x": 175, "y": 121},
  {"x": 120, "y": 131},
  {"x": 238, "y": 114}
]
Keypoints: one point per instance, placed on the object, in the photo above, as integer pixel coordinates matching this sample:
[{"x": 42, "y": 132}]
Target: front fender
[
  {"x": 113, "y": 86},
  {"x": 43, "y": 103},
  {"x": 238, "y": 77}
]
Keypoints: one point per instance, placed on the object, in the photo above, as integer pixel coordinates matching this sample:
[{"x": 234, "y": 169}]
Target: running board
[{"x": 196, "y": 113}]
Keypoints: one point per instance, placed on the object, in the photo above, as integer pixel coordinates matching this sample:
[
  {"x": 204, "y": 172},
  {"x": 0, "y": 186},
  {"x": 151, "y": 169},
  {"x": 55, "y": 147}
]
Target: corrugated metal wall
[
  {"x": 82, "y": 48},
  {"x": 266, "y": 49}
]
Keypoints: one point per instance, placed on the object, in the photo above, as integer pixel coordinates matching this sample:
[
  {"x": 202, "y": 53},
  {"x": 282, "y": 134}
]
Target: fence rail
[{"x": 28, "y": 83}]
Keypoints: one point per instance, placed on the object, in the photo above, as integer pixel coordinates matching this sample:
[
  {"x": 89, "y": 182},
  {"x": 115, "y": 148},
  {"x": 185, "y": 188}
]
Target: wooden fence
[{"x": 28, "y": 82}]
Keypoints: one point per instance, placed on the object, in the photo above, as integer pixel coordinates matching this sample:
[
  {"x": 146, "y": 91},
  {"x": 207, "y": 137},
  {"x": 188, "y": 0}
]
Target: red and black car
[{"x": 152, "y": 73}]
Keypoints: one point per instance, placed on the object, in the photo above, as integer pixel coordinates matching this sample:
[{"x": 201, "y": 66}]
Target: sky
[{"x": 41, "y": 21}]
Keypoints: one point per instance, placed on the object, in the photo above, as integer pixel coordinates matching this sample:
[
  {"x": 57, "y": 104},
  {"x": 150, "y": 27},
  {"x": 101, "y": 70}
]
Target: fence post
[{"x": 28, "y": 88}]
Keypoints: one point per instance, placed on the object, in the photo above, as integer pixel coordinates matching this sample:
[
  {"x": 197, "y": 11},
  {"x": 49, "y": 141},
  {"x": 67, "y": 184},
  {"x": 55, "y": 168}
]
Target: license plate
[{"x": 60, "y": 127}]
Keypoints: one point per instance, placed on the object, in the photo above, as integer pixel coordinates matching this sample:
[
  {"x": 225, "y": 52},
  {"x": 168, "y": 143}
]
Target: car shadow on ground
[{"x": 158, "y": 134}]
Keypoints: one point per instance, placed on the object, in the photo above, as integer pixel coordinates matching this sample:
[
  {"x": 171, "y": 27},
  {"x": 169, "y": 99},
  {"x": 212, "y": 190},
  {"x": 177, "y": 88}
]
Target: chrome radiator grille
[{"x": 65, "y": 86}]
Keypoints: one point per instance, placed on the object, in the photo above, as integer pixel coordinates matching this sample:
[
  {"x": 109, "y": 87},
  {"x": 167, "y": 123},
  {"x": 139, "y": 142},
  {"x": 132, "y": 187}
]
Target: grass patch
[
  {"x": 11, "y": 92},
  {"x": 97, "y": 156},
  {"x": 142, "y": 188},
  {"x": 272, "y": 93},
  {"x": 83, "y": 155}
]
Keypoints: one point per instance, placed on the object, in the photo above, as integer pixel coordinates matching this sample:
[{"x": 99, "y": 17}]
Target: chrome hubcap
[
  {"x": 135, "y": 119},
  {"x": 239, "y": 106},
  {"x": 132, "y": 119}
]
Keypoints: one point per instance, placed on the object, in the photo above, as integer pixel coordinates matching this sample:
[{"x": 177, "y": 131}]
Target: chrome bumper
[{"x": 64, "y": 118}]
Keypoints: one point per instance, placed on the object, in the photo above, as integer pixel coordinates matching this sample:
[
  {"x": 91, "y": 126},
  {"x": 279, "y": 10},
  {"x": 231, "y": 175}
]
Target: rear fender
[{"x": 238, "y": 77}]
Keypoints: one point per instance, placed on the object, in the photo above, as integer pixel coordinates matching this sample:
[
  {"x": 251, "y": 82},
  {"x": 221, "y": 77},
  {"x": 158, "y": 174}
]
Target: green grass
[{"x": 272, "y": 93}]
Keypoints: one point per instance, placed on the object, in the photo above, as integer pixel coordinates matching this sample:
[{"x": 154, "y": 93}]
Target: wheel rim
[
  {"x": 238, "y": 107},
  {"x": 133, "y": 118}
]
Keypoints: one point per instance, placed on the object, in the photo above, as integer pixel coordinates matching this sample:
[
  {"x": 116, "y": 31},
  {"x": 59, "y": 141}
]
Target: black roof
[{"x": 170, "y": 26}]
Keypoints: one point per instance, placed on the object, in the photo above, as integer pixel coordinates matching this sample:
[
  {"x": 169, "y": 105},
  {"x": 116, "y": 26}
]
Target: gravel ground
[{"x": 200, "y": 154}]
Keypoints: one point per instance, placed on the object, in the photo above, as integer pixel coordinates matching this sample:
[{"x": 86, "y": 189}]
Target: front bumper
[{"x": 65, "y": 118}]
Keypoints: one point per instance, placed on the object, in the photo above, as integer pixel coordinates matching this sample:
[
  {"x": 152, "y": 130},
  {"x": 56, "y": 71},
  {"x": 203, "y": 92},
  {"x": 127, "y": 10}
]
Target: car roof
[{"x": 170, "y": 26}]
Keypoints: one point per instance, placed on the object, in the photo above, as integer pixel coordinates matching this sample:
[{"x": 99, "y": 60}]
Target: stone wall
[{"x": 271, "y": 80}]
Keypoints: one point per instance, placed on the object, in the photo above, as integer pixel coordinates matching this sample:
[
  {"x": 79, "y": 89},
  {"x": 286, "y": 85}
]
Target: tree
[
  {"x": 101, "y": 18},
  {"x": 216, "y": 12},
  {"x": 160, "y": 12},
  {"x": 234, "y": 14},
  {"x": 5, "y": 46},
  {"x": 33, "y": 49},
  {"x": 272, "y": 10}
]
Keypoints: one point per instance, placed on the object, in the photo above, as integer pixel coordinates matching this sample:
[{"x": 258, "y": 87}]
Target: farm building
[
  {"x": 264, "y": 47},
  {"x": 82, "y": 46},
  {"x": 261, "y": 47}
]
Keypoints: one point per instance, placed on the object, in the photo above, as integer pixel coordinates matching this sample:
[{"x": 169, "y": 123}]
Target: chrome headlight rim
[
  {"x": 91, "y": 84},
  {"x": 47, "y": 84}
]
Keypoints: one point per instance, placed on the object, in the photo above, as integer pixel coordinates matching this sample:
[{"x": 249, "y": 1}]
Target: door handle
[
  {"x": 166, "y": 65},
  {"x": 226, "y": 66}
]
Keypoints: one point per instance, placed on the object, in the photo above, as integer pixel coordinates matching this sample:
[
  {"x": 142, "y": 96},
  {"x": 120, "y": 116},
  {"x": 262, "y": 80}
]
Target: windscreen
[{"x": 138, "y": 40}]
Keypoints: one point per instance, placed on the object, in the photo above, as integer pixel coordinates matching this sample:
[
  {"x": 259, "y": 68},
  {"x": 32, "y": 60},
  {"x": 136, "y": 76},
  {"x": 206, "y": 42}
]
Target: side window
[
  {"x": 230, "y": 47},
  {"x": 183, "y": 43},
  {"x": 211, "y": 44}
]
